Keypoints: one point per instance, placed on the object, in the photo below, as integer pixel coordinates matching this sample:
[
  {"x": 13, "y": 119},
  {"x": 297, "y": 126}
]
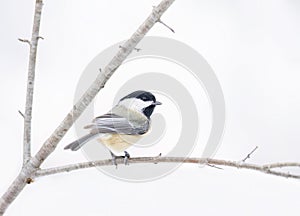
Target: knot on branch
[{"x": 29, "y": 180}]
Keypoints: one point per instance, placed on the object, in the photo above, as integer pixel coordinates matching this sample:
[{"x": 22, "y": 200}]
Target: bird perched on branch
[{"x": 122, "y": 126}]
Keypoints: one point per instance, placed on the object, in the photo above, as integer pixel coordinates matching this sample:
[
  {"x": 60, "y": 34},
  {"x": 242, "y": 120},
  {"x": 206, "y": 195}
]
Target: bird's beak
[{"x": 157, "y": 103}]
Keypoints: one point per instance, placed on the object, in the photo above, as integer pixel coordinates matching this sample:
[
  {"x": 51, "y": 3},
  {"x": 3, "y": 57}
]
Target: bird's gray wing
[{"x": 112, "y": 123}]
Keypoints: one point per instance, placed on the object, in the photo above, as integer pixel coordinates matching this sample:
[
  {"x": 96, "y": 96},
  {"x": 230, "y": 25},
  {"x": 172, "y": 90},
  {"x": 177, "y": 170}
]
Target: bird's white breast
[{"x": 118, "y": 142}]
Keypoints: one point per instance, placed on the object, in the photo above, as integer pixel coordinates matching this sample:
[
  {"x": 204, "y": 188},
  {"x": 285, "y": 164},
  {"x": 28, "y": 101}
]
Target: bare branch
[
  {"x": 30, "y": 81},
  {"x": 248, "y": 155},
  {"x": 51, "y": 143},
  {"x": 158, "y": 159}
]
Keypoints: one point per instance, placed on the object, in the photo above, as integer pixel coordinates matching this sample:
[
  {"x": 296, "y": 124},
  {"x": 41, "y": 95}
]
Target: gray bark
[
  {"x": 265, "y": 168},
  {"x": 30, "y": 81}
]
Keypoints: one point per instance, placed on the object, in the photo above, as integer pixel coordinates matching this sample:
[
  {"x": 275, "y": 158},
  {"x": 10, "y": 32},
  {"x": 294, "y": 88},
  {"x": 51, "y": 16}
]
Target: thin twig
[
  {"x": 24, "y": 41},
  {"x": 172, "y": 30},
  {"x": 137, "y": 49},
  {"x": 214, "y": 166},
  {"x": 248, "y": 155},
  {"x": 51, "y": 143},
  {"x": 281, "y": 165},
  {"x": 21, "y": 114},
  {"x": 158, "y": 159}
]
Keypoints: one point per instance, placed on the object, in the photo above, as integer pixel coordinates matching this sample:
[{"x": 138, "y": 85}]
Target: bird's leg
[
  {"x": 126, "y": 157},
  {"x": 114, "y": 158},
  {"x": 114, "y": 162}
]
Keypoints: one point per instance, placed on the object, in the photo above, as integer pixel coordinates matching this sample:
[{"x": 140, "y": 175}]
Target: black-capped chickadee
[{"x": 123, "y": 125}]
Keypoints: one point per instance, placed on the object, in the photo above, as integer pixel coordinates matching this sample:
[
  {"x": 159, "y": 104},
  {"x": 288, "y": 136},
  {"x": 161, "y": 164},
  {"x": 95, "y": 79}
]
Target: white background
[{"x": 253, "y": 47}]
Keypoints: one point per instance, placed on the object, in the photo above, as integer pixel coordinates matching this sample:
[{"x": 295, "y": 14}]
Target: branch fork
[
  {"x": 215, "y": 163},
  {"x": 31, "y": 164}
]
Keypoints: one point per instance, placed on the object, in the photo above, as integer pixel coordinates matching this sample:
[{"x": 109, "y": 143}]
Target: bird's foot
[
  {"x": 126, "y": 157},
  {"x": 113, "y": 159}
]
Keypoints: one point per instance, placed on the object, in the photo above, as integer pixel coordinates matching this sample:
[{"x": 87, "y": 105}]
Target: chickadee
[{"x": 122, "y": 126}]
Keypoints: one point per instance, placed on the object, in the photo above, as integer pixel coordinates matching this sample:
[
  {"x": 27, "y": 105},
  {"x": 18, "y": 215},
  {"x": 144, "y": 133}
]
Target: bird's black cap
[{"x": 143, "y": 95}]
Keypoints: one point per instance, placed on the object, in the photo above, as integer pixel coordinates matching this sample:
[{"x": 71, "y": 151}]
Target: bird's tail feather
[{"x": 77, "y": 144}]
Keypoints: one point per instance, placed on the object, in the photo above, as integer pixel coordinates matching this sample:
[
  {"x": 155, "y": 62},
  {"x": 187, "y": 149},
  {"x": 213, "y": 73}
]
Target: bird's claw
[
  {"x": 126, "y": 157},
  {"x": 113, "y": 159}
]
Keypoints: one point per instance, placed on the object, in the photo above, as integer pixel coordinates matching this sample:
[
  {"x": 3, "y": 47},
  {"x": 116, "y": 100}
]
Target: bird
[{"x": 122, "y": 126}]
